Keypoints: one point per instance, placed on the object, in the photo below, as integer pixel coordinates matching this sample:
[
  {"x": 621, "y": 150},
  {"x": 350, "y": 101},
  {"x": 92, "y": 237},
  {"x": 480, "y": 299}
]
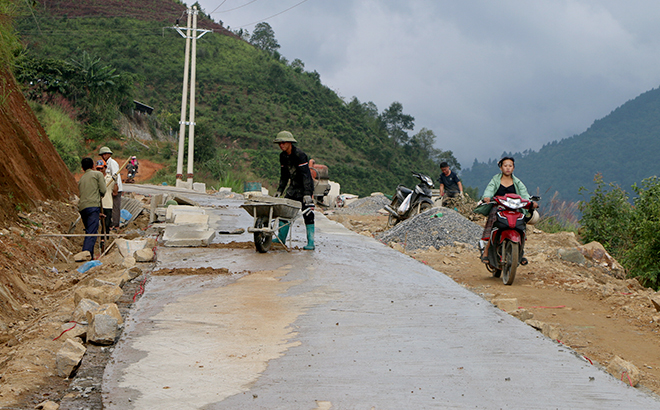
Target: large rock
[
  {"x": 103, "y": 329},
  {"x": 128, "y": 247},
  {"x": 72, "y": 331},
  {"x": 68, "y": 357},
  {"x": 655, "y": 300},
  {"x": 144, "y": 255},
  {"x": 624, "y": 371},
  {"x": 82, "y": 256},
  {"x": 110, "y": 309},
  {"x": 128, "y": 262},
  {"x": 47, "y": 405},
  {"x": 507, "y": 305},
  {"x": 548, "y": 330},
  {"x": 572, "y": 255},
  {"x": 597, "y": 253},
  {"x": 100, "y": 294},
  {"x": 84, "y": 306}
]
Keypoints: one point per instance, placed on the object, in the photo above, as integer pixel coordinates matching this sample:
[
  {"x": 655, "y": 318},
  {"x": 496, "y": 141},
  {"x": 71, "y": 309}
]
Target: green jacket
[
  {"x": 92, "y": 188},
  {"x": 493, "y": 186}
]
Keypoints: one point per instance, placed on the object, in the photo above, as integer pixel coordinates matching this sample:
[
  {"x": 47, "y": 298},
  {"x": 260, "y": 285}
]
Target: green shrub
[
  {"x": 63, "y": 132},
  {"x": 606, "y": 217},
  {"x": 642, "y": 258}
]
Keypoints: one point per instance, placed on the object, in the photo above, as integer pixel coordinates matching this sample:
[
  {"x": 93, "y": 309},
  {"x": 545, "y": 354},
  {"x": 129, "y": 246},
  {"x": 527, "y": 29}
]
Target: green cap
[{"x": 284, "y": 136}]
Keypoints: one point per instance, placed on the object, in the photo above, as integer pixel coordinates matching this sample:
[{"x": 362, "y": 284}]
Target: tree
[
  {"x": 396, "y": 123},
  {"x": 263, "y": 37}
]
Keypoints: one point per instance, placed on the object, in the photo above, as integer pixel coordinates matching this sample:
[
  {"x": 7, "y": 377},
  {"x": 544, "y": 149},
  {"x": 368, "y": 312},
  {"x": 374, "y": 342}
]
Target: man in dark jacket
[
  {"x": 294, "y": 171},
  {"x": 92, "y": 188}
]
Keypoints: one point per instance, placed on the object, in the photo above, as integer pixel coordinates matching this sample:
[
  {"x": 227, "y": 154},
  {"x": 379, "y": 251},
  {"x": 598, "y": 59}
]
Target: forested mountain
[
  {"x": 624, "y": 147},
  {"x": 99, "y": 55}
]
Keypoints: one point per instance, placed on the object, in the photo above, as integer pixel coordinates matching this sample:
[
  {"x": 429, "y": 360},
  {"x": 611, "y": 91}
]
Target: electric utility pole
[{"x": 189, "y": 72}]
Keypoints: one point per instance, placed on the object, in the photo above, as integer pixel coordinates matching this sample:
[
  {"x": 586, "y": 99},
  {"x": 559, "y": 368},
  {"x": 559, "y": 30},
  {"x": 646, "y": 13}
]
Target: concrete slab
[
  {"x": 183, "y": 236},
  {"x": 199, "y": 187},
  {"x": 191, "y": 218},
  {"x": 173, "y": 210}
]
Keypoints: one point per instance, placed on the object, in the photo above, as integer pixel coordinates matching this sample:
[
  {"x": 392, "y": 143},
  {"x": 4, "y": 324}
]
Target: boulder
[
  {"x": 522, "y": 314},
  {"x": 73, "y": 330},
  {"x": 128, "y": 262},
  {"x": 624, "y": 371},
  {"x": 99, "y": 294},
  {"x": 551, "y": 331},
  {"x": 68, "y": 357},
  {"x": 82, "y": 256},
  {"x": 47, "y": 405},
  {"x": 103, "y": 329},
  {"x": 84, "y": 306},
  {"x": 107, "y": 309},
  {"x": 572, "y": 255},
  {"x": 507, "y": 305},
  {"x": 655, "y": 300},
  {"x": 144, "y": 255}
]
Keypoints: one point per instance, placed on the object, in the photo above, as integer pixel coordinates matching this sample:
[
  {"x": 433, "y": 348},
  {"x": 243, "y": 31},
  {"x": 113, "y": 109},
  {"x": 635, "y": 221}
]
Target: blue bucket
[{"x": 125, "y": 216}]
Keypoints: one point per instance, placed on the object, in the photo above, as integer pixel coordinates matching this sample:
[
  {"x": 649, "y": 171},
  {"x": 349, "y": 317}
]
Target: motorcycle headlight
[{"x": 513, "y": 203}]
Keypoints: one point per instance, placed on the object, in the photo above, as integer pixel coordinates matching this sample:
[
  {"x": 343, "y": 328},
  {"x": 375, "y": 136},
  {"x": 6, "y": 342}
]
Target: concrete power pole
[
  {"x": 191, "y": 130},
  {"x": 184, "y": 98},
  {"x": 189, "y": 73}
]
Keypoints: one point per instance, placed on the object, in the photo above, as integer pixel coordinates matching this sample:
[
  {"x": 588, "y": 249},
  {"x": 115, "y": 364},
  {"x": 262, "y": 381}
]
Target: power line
[
  {"x": 235, "y": 8},
  {"x": 223, "y": 2},
  {"x": 274, "y": 15}
]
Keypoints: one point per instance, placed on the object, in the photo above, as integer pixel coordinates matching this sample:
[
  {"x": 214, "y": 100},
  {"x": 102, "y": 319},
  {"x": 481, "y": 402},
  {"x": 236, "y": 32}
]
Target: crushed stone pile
[
  {"x": 431, "y": 229},
  {"x": 364, "y": 206}
]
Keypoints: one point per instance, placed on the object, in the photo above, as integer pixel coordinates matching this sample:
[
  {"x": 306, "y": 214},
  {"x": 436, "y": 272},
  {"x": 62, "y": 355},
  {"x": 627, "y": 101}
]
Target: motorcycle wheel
[
  {"x": 262, "y": 240},
  {"x": 423, "y": 207},
  {"x": 391, "y": 219},
  {"x": 511, "y": 258}
]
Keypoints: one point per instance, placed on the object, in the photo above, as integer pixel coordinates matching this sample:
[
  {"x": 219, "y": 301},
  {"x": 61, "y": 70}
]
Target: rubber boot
[
  {"x": 282, "y": 233},
  {"x": 310, "y": 238}
]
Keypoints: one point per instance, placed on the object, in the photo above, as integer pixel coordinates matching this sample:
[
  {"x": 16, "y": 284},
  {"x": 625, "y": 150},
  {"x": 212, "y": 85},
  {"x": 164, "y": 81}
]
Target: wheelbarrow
[{"x": 267, "y": 213}]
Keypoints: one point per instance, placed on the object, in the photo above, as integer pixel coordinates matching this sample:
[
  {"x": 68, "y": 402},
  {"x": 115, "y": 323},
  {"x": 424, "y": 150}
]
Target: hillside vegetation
[
  {"x": 622, "y": 147},
  {"x": 245, "y": 95}
]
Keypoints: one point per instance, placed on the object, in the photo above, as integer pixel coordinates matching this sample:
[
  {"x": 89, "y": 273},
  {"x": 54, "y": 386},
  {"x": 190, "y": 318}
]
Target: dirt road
[{"x": 599, "y": 316}]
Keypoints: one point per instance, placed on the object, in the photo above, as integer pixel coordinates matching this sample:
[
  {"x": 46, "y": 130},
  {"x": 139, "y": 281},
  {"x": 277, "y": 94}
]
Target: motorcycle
[
  {"x": 507, "y": 239},
  {"x": 132, "y": 170},
  {"x": 410, "y": 202}
]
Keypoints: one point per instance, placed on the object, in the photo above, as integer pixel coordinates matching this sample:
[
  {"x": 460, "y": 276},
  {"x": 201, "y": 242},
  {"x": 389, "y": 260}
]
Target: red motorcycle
[{"x": 507, "y": 239}]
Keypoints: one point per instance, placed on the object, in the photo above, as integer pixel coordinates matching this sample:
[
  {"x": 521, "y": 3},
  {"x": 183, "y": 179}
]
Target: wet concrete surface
[{"x": 351, "y": 325}]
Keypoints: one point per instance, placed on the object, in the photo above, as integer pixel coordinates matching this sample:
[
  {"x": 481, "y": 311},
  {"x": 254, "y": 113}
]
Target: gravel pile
[
  {"x": 425, "y": 230},
  {"x": 364, "y": 206}
]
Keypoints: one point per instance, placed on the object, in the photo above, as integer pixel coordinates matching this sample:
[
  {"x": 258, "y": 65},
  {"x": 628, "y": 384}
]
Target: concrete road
[{"x": 352, "y": 325}]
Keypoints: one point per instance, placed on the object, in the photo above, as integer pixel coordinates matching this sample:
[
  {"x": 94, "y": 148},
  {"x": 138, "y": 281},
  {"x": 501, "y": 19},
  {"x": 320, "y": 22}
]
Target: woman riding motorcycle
[{"x": 501, "y": 184}]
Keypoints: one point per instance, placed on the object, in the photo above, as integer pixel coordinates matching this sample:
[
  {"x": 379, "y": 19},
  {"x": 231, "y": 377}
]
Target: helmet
[
  {"x": 133, "y": 157},
  {"x": 105, "y": 150},
  {"x": 284, "y": 136},
  {"x": 535, "y": 218},
  {"x": 100, "y": 163}
]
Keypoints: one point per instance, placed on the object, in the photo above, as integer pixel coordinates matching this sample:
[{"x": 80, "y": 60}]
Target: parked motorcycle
[
  {"x": 410, "y": 202},
  {"x": 507, "y": 239}
]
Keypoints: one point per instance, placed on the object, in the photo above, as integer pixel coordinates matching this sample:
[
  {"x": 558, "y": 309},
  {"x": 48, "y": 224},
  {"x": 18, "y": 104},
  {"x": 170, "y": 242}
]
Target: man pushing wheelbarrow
[{"x": 294, "y": 171}]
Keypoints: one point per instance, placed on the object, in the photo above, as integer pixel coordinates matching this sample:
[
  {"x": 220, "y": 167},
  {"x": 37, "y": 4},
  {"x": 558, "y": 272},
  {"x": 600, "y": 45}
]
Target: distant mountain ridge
[{"x": 623, "y": 146}]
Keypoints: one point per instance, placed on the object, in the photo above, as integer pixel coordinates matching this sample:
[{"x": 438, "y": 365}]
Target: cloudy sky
[{"x": 486, "y": 76}]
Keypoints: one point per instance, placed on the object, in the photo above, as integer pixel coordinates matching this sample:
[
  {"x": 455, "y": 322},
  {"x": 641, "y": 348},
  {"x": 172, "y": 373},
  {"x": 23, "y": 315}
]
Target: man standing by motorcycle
[
  {"x": 294, "y": 171},
  {"x": 450, "y": 183},
  {"x": 501, "y": 184}
]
